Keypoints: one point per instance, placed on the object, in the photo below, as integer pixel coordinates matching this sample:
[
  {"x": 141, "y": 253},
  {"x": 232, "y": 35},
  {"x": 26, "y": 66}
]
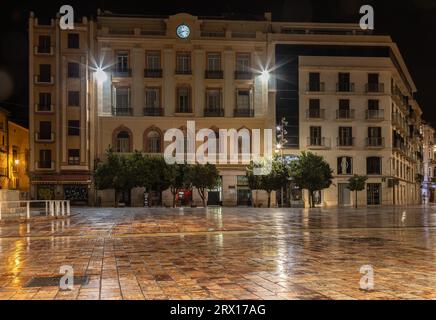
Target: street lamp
[
  {"x": 100, "y": 75},
  {"x": 264, "y": 75}
]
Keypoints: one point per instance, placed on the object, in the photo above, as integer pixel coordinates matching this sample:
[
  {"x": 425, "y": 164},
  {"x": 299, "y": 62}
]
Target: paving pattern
[{"x": 224, "y": 253}]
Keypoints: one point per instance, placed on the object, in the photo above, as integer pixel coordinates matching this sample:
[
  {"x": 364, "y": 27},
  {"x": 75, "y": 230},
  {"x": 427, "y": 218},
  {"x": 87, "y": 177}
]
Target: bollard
[
  {"x": 56, "y": 208},
  {"x": 68, "y": 208},
  {"x": 51, "y": 204},
  {"x": 28, "y": 210},
  {"x": 0, "y": 210},
  {"x": 46, "y": 208},
  {"x": 62, "y": 208}
]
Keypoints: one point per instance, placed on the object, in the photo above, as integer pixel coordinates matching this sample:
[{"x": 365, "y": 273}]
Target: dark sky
[{"x": 411, "y": 24}]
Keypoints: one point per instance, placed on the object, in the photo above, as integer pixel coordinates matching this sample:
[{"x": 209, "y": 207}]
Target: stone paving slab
[{"x": 224, "y": 253}]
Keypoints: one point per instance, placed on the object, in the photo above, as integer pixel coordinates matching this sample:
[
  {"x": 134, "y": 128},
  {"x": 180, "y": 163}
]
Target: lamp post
[{"x": 281, "y": 138}]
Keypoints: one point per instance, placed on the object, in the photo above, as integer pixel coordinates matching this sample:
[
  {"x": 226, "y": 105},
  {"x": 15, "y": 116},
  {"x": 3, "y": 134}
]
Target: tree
[
  {"x": 311, "y": 172},
  {"x": 116, "y": 173},
  {"x": 356, "y": 183},
  {"x": 203, "y": 177},
  {"x": 177, "y": 179},
  {"x": 254, "y": 181},
  {"x": 159, "y": 175}
]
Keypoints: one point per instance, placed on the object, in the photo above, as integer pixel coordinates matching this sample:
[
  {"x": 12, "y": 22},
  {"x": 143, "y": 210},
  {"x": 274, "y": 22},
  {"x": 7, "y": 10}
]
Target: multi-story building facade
[
  {"x": 428, "y": 164},
  {"x": 345, "y": 93},
  {"x": 14, "y": 156}
]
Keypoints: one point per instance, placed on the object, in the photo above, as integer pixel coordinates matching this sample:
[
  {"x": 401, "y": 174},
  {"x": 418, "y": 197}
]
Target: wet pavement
[{"x": 224, "y": 253}]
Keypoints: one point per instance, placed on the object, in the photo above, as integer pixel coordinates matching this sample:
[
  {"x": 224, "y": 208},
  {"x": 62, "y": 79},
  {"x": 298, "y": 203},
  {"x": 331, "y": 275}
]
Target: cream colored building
[
  {"x": 429, "y": 162},
  {"x": 159, "y": 72}
]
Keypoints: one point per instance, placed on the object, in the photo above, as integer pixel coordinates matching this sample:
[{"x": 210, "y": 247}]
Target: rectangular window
[
  {"x": 315, "y": 136},
  {"x": 44, "y": 44},
  {"x": 122, "y": 97},
  {"x": 45, "y": 158},
  {"x": 73, "y": 127},
  {"x": 183, "y": 99},
  {"x": 152, "y": 60},
  {"x": 344, "y": 81},
  {"x": 373, "y": 165},
  {"x": 44, "y": 101},
  {"x": 213, "y": 99},
  {"x": 213, "y": 62},
  {"x": 73, "y": 41},
  {"x": 73, "y": 156},
  {"x": 45, "y": 73},
  {"x": 183, "y": 62},
  {"x": 314, "y": 82},
  {"x": 122, "y": 61},
  {"x": 374, "y": 132},
  {"x": 45, "y": 130},
  {"x": 373, "y": 104},
  {"x": 73, "y": 70},
  {"x": 243, "y": 63},
  {"x": 73, "y": 98},
  {"x": 373, "y": 78},
  {"x": 345, "y": 137},
  {"x": 243, "y": 99},
  {"x": 344, "y": 165},
  {"x": 152, "y": 98}
]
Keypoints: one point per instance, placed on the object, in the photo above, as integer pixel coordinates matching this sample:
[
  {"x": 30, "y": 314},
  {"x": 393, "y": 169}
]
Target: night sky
[{"x": 412, "y": 25}]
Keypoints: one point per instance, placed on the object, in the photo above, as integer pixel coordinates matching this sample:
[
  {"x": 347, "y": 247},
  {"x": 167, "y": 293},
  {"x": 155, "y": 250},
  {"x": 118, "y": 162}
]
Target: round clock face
[{"x": 183, "y": 31}]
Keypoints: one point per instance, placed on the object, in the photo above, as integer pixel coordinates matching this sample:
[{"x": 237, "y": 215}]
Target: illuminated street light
[
  {"x": 265, "y": 75},
  {"x": 100, "y": 75},
  {"x": 16, "y": 162}
]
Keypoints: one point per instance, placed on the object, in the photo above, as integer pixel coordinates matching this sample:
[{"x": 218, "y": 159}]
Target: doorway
[
  {"x": 343, "y": 194},
  {"x": 373, "y": 193}
]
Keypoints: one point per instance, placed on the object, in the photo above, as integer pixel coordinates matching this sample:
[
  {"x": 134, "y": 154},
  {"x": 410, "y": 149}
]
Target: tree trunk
[
  {"x": 355, "y": 202},
  {"x": 116, "y": 198},
  {"x": 312, "y": 199},
  {"x": 173, "y": 191},
  {"x": 269, "y": 199},
  {"x": 160, "y": 197}
]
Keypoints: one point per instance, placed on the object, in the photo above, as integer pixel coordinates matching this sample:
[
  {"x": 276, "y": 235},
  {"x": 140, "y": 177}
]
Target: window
[
  {"x": 344, "y": 81},
  {"x": 73, "y": 41},
  {"x": 152, "y": 98},
  {"x": 73, "y": 127},
  {"x": 45, "y": 130},
  {"x": 73, "y": 70},
  {"x": 153, "y": 142},
  {"x": 44, "y": 44},
  {"x": 373, "y": 165},
  {"x": 213, "y": 99},
  {"x": 374, "y": 132},
  {"x": 315, "y": 136},
  {"x": 243, "y": 62},
  {"x": 45, "y": 73},
  {"x": 372, "y": 104},
  {"x": 183, "y": 62},
  {"x": 183, "y": 99},
  {"x": 73, "y": 156},
  {"x": 122, "y": 99},
  {"x": 73, "y": 98},
  {"x": 123, "y": 142},
  {"x": 213, "y": 62},
  {"x": 345, "y": 136},
  {"x": 152, "y": 60},
  {"x": 243, "y": 99},
  {"x": 314, "y": 84},
  {"x": 44, "y": 101},
  {"x": 314, "y": 110},
  {"x": 45, "y": 159},
  {"x": 373, "y": 78},
  {"x": 344, "y": 165},
  {"x": 122, "y": 61}
]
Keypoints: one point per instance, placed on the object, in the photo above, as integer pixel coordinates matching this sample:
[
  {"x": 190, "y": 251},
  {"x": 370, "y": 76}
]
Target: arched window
[
  {"x": 123, "y": 142},
  {"x": 153, "y": 142}
]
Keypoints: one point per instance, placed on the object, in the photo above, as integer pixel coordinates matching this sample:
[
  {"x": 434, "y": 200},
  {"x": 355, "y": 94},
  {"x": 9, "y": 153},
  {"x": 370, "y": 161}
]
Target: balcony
[
  {"x": 315, "y": 114},
  {"x": 213, "y": 74},
  {"x": 122, "y": 111},
  {"x": 152, "y": 73},
  {"x": 154, "y": 112},
  {"x": 375, "y": 142},
  {"x": 122, "y": 73},
  {"x": 375, "y": 87},
  {"x": 344, "y": 114},
  {"x": 45, "y": 165},
  {"x": 243, "y": 112},
  {"x": 345, "y": 141},
  {"x": 183, "y": 72},
  {"x": 44, "y": 50},
  {"x": 44, "y": 79},
  {"x": 44, "y": 137},
  {"x": 43, "y": 108},
  {"x": 315, "y": 87},
  {"x": 209, "y": 112},
  {"x": 318, "y": 143},
  {"x": 345, "y": 87},
  {"x": 374, "y": 115},
  {"x": 243, "y": 75},
  {"x": 180, "y": 109},
  {"x": 399, "y": 146}
]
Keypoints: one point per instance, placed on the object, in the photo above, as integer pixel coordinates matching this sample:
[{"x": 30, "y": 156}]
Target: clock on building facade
[{"x": 183, "y": 31}]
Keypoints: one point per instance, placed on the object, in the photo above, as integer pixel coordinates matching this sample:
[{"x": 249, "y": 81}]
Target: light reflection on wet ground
[{"x": 225, "y": 253}]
